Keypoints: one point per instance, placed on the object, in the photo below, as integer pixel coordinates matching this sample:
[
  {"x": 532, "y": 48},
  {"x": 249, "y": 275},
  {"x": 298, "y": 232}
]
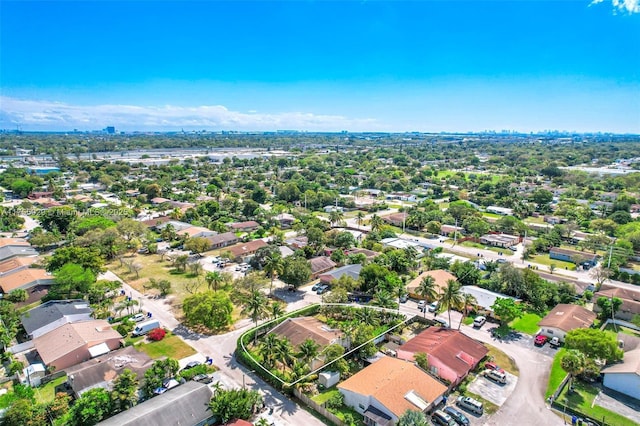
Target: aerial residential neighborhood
[{"x": 215, "y": 278}]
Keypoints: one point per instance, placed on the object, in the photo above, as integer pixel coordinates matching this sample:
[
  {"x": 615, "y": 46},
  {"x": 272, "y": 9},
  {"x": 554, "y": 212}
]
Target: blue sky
[{"x": 321, "y": 65}]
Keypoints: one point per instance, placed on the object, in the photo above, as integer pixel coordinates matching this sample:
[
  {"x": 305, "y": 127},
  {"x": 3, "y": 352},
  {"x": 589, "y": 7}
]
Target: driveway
[{"x": 492, "y": 391}]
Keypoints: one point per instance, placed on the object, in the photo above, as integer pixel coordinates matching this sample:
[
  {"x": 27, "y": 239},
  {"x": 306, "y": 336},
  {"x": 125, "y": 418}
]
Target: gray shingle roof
[
  {"x": 52, "y": 311},
  {"x": 184, "y": 405}
]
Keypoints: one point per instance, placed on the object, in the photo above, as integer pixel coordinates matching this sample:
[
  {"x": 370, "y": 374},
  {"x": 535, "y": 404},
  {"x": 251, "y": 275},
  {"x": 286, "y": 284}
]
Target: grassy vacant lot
[
  {"x": 528, "y": 323},
  {"x": 557, "y": 373},
  {"x": 171, "y": 346},
  {"x": 502, "y": 359},
  {"x": 582, "y": 400},
  {"x": 45, "y": 394},
  {"x": 543, "y": 259}
]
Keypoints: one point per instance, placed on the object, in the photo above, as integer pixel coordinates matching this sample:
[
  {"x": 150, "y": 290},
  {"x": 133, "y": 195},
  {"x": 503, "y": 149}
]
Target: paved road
[{"x": 221, "y": 348}]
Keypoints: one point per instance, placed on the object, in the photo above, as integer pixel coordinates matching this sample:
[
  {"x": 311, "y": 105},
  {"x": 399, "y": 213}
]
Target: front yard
[
  {"x": 171, "y": 346},
  {"x": 527, "y": 324},
  {"x": 544, "y": 259},
  {"x": 557, "y": 374}
]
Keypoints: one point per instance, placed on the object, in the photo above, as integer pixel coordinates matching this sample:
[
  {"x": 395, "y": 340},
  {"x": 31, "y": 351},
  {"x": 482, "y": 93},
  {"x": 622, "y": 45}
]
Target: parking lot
[{"x": 491, "y": 391}]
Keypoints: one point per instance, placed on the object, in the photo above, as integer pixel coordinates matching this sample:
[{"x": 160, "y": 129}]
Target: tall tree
[
  {"x": 573, "y": 362},
  {"x": 468, "y": 301},
  {"x": 255, "y": 307},
  {"x": 451, "y": 297},
  {"x": 273, "y": 266},
  {"x": 123, "y": 395}
]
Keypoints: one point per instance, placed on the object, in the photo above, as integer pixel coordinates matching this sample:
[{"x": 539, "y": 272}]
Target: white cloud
[
  {"x": 625, "y": 6},
  {"x": 50, "y": 115}
]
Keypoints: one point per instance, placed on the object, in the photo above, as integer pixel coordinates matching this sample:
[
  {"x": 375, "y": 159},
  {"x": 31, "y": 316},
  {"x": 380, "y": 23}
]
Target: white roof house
[{"x": 485, "y": 298}]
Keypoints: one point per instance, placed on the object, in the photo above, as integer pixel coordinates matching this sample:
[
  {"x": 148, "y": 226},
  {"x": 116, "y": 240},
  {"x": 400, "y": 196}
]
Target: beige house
[
  {"x": 564, "y": 318},
  {"x": 71, "y": 344}
]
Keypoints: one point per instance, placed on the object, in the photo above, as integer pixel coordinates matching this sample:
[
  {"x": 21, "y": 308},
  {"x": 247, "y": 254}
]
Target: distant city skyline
[{"x": 431, "y": 66}]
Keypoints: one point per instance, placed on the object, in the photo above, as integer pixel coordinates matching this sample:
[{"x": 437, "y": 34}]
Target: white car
[
  {"x": 138, "y": 317},
  {"x": 421, "y": 305},
  {"x": 479, "y": 321}
]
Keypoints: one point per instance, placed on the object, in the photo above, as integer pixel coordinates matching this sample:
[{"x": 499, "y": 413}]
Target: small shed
[
  {"x": 33, "y": 374},
  {"x": 329, "y": 379}
]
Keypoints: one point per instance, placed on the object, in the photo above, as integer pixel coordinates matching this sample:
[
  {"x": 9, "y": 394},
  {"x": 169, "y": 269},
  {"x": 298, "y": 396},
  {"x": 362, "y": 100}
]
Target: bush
[
  {"x": 336, "y": 401},
  {"x": 125, "y": 328},
  {"x": 157, "y": 334}
]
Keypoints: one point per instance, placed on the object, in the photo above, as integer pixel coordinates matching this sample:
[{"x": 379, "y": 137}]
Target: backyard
[
  {"x": 323, "y": 397},
  {"x": 46, "y": 393}
]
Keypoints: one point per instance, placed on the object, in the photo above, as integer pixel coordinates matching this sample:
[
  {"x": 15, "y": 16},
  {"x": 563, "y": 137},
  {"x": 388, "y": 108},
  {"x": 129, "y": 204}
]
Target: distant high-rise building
[{"x": 110, "y": 130}]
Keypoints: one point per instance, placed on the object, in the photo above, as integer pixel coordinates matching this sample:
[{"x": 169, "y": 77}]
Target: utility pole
[{"x": 610, "y": 254}]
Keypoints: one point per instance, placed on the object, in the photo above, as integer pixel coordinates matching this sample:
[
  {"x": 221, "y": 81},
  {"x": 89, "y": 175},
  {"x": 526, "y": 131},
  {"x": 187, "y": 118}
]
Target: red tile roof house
[
  {"x": 440, "y": 277},
  {"x": 241, "y": 251},
  {"x": 450, "y": 353},
  {"x": 71, "y": 344},
  {"x": 395, "y": 219},
  {"x": 26, "y": 279},
  {"x": 222, "y": 240},
  {"x": 320, "y": 265},
  {"x": 248, "y": 226},
  {"x": 383, "y": 391},
  {"x": 630, "y": 300}
]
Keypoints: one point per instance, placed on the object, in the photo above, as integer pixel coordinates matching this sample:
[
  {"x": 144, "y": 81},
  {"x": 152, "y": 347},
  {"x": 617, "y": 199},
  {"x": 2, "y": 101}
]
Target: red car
[
  {"x": 493, "y": 366},
  {"x": 540, "y": 340}
]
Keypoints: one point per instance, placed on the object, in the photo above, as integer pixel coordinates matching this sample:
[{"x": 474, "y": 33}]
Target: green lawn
[
  {"x": 502, "y": 359},
  {"x": 323, "y": 397},
  {"x": 491, "y": 215},
  {"x": 528, "y": 323},
  {"x": 543, "y": 259},
  {"x": 45, "y": 394},
  {"x": 171, "y": 346},
  {"x": 619, "y": 329},
  {"x": 504, "y": 251},
  {"x": 582, "y": 400},
  {"x": 557, "y": 373}
]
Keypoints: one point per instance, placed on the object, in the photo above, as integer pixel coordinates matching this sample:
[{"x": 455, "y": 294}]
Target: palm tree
[
  {"x": 273, "y": 265},
  {"x": 468, "y": 300},
  {"x": 451, "y": 297},
  {"x": 336, "y": 216},
  {"x": 276, "y": 310},
  {"x": 213, "y": 279},
  {"x": 573, "y": 362},
  {"x": 359, "y": 218},
  {"x": 255, "y": 307},
  {"x": 384, "y": 299},
  {"x": 367, "y": 316},
  {"x": 428, "y": 289},
  {"x": 268, "y": 348},
  {"x": 308, "y": 350},
  {"x": 375, "y": 222},
  {"x": 285, "y": 352}
]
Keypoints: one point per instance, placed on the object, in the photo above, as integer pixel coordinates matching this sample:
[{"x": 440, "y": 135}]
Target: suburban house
[
  {"x": 450, "y": 353},
  {"x": 485, "y": 299},
  {"x": 73, "y": 343},
  {"x": 384, "y": 390},
  {"x": 395, "y": 219},
  {"x": 298, "y": 242},
  {"x": 320, "y": 265},
  {"x": 399, "y": 243},
  {"x": 196, "y": 232},
  {"x": 184, "y": 405},
  {"x": 630, "y": 300},
  {"x": 369, "y": 254},
  {"x": 244, "y": 250},
  {"x": 159, "y": 200},
  {"x": 247, "y": 226},
  {"x": 447, "y": 230},
  {"x": 440, "y": 277},
  {"x": 54, "y": 313},
  {"x": 285, "y": 220},
  {"x": 500, "y": 240},
  {"x": 624, "y": 377},
  {"x": 297, "y": 330},
  {"x": 503, "y": 211},
  {"x": 564, "y": 318},
  {"x": 28, "y": 279},
  {"x": 16, "y": 264},
  {"x": 222, "y": 240},
  {"x": 9, "y": 251},
  {"x": 573, "y": 256},
  {"x": 156, "y": 222},
  {"x": 351, "y": 270},
  {"x": 100, "y": 372}
]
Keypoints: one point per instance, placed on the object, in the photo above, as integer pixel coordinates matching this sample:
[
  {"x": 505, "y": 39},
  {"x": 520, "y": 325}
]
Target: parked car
[
  {"x": 323, "y": 289},
  {"x": 457, "y": 416},
  {"x": 404, "y": 298},
  {"x": 190, "y": 365},
  {"x": 422, "y": 304},
  {"x": 160, "y": 390},
  {"x": 433, "y": 306},
  {"x": 501, "y": 260},
  {"x": 479, "y": 321},
  {"x": 470, "y": 404},
  {"x": 202, "y": 378},
  {"x": 170, "y": 383},
  {"x": 138, "y": 317},
  {"x": 316, "y": 286},
  {"x": 495, "y": 375},
  {"x": 493, "y": 366},
  {"x": 554, "y": 342},
  {"x": 540, "y": 340},
  {"x": 443, "y": 419},
  {"x": 442, "y": 322}
]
